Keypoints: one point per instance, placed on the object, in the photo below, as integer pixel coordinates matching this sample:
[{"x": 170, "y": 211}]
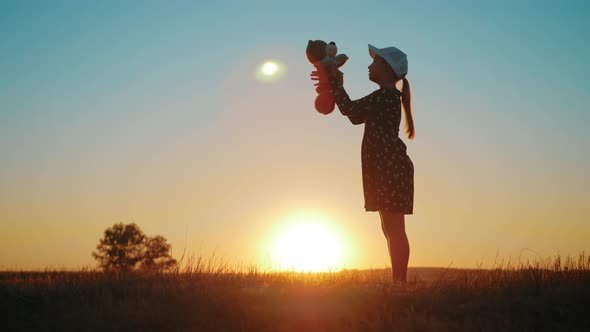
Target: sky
[{"x": 151, "y": 112}]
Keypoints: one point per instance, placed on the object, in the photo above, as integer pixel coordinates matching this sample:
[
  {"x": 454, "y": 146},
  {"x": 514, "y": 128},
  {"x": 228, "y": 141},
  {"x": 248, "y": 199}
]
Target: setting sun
[{"x": 308, "y": 247}]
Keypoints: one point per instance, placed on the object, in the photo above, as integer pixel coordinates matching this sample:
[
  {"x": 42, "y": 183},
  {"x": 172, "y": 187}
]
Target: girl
[{"x": 387, "y": 171}]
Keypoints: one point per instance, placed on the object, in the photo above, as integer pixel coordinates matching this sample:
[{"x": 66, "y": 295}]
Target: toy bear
[{"x": 322, "y": 56}]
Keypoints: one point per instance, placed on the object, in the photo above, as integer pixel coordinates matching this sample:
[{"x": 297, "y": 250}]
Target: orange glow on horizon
[{"x": 307, "y": 244}]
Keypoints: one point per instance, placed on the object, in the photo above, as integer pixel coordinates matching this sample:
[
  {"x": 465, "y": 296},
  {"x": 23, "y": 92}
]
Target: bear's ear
[{"x": 332, "y": 43}]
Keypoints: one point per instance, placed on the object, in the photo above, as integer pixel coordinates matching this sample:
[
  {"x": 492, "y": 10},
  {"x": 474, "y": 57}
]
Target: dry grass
[{"x": 553, "y": 295}]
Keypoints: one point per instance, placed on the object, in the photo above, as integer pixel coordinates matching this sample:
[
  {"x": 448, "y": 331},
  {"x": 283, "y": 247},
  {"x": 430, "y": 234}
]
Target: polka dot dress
[{"x": 388, "y": 172}]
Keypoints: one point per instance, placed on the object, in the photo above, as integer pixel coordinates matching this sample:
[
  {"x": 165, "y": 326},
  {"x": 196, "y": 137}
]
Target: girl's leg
[
  {"x": 385, "y": 232},
  {"x": 394, "y": 227}
]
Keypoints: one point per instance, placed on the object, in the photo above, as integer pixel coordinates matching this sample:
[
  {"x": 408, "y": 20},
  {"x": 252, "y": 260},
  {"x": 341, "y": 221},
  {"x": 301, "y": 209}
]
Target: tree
[
  {"x": 156, "y": 255},
  {"x": 124, "y": 247}
]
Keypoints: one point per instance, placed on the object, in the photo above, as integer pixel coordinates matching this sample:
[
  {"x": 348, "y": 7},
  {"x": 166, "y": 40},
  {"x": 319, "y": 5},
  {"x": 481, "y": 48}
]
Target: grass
[{"x": 553, "y": 295}]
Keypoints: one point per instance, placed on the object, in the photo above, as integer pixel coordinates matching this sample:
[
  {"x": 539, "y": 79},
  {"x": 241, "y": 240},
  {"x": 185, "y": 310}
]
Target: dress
[{"x": 387, "y": 171}]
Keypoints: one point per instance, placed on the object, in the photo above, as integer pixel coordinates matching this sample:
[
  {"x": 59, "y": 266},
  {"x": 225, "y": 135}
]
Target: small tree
[
  {"x": 123, "y": 247},
  {"x": 156, "y": 255},
  {"x": 120, "y": 248}
]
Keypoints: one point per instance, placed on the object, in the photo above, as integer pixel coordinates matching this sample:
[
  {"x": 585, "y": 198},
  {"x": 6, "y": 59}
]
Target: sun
[
  {"x": 308, "y": 247},
  {"x": 270, "y": 71}
]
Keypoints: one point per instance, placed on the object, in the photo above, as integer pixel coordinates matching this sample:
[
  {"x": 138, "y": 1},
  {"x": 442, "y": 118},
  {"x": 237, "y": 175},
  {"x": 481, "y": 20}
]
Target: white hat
[{"x": 397, "y": 59}]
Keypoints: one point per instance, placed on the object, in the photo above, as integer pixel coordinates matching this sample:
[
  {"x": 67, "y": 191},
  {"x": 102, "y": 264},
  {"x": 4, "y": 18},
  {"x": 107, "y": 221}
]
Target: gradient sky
[{"x": 150, "y": 112}]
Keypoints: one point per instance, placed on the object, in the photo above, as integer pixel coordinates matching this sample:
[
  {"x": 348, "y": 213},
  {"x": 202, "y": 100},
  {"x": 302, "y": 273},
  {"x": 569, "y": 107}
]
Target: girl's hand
[
  {"x": 324, "y": 74},
  {"x": 315, "y": 76}
]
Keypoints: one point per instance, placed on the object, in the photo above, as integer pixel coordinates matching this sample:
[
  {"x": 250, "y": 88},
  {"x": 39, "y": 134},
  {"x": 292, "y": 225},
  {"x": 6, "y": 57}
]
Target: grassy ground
[{"x": 549, "y": 296}]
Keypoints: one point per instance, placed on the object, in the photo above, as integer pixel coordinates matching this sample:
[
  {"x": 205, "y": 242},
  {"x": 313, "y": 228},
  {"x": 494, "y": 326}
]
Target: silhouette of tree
[
  {"x": 156, "y": 255},
  {"x": 121, "y": 248},
  {"x": 124, "y": 247}
]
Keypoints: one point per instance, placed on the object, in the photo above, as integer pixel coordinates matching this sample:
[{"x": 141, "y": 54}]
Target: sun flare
[
  {"x": 270, "y": 70},
  {"x": 308, "y": 247}
]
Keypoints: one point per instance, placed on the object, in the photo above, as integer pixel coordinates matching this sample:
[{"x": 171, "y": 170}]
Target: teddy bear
[{"x": 323, "y": 55}]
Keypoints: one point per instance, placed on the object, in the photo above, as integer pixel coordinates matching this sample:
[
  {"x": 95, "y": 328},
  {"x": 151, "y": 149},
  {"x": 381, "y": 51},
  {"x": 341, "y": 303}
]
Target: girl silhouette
[{"x": 387, "y": 171}]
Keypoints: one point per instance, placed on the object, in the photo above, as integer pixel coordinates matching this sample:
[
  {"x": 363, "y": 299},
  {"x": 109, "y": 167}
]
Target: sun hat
[{"x": 397, "y": 59}]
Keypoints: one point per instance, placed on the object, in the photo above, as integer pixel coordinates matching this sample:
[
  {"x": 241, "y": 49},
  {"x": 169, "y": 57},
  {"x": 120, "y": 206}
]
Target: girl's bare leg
[{"x": 394, "y": 228}]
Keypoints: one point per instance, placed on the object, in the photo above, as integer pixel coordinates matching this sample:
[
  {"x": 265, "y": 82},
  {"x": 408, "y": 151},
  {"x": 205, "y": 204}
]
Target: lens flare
[
  {"x": 269, "y": 68},
  {"x": 270, "y": 71}
]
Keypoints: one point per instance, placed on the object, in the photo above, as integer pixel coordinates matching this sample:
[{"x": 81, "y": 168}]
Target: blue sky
[{"x": 91, "y": 92}]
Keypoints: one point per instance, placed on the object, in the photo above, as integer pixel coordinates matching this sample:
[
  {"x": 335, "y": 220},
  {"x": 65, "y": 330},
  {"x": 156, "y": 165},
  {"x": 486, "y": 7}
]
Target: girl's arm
[
  {"x": 356, "y": 120},
  {"x": 356, "y": 110}
]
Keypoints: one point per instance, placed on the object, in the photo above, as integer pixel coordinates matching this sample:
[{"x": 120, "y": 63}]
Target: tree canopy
[{"x": 125, "y": 248}]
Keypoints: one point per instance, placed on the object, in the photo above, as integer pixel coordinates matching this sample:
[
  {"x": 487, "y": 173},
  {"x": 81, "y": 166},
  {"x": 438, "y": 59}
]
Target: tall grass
[{"x": 210, "y": 295}]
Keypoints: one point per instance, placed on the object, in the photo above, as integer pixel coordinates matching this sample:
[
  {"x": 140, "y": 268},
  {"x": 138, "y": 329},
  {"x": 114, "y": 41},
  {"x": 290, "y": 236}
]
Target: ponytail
[{"x": 406, "y": 102}]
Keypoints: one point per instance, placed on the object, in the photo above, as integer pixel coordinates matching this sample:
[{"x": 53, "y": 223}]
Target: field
[{"x": 553, "y": 295}]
